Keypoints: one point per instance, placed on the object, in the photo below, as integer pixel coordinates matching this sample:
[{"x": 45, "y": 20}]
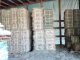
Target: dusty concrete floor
[{"x": 59, "y": 54}]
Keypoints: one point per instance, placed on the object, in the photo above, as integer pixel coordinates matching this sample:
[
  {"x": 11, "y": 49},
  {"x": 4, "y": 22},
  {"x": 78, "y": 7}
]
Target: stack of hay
[
  {"x": 72, "y": 28},
  {"x": 39, "y": 43},
  {"x": 17, "y": 21},
  {"x": 49, "y": 30},
  {"x": 43, "y": 29}
]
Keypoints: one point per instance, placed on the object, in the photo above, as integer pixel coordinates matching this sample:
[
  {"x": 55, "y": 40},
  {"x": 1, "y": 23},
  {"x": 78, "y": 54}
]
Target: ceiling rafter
[
  {"x": 31, "y": 2},
  {"x": 12, "y": 2},
  {"x": 16, "y": 1},
  {"x": 26, "y": 1},
  {"x": 5, "y": 3},
  {"x": 3, "y": 6},
  {"x": 9, "y": 2},
  {"x": 20, "y": 1}
]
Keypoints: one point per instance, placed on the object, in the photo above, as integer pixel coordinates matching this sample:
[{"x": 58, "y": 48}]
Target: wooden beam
[
  {"x": 58, "y": 27},
  {"x": 6, "y": 3},
  {"x": 23, "y": 3},
  {"x": 37, "y": 0},
  {"x": 20, "y": 1},
  {"x": 31, "y": 2},
  {"x": 59, "y": 4},
  {"x": 59, "y": 35},
  {"x": 13, "y": 2},
  {"x": 2, "y": 6},
  {"x": 58, "y": 20}
]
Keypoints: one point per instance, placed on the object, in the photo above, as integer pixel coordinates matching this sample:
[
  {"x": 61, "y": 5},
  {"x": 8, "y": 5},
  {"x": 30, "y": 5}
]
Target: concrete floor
[{"x": 59, "y": 54}]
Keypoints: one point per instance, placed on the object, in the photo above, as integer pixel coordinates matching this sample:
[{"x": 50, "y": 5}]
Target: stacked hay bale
[
  {"x": 43, "y": 29},
  {"x": 68, "y": 23},
  {"x": 17, "y": 21},
  {"x": 76, "y": 16},
  {"x": 49, "y": 30},
  {"x": 37, "y": 15},
  {"x": 72, "y": 28}
]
